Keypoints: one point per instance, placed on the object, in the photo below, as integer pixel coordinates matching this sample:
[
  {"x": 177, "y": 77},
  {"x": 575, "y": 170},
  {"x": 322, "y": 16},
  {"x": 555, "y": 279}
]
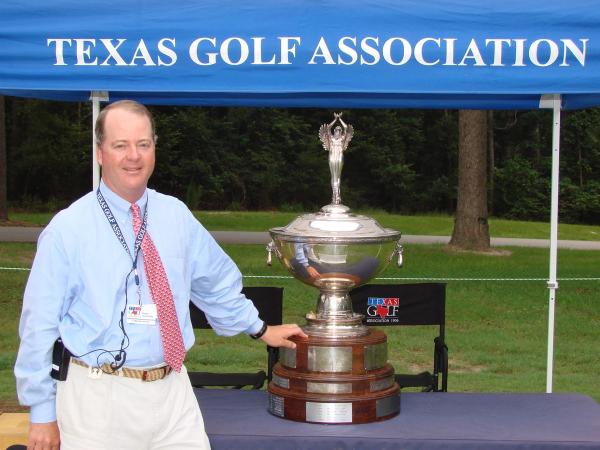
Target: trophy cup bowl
[
  {"x": 334, "y": 251},
  {"x": 339, "y": 373}
]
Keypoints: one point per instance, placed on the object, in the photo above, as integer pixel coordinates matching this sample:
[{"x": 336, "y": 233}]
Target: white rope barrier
[
  {"x": 441, "y": 278},
  {"x": 289, "y": 277},
  {"x": 487, "y": 279}
]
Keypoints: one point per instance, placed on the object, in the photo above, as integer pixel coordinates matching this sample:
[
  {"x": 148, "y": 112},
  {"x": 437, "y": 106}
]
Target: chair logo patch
[{"x": 382, "y": 309}]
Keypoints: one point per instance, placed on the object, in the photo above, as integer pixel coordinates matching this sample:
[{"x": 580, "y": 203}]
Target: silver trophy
[{"x": 335, "y": 251}]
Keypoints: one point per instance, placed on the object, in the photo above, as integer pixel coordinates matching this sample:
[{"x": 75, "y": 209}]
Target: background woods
[{"x": 247, "y": 158}]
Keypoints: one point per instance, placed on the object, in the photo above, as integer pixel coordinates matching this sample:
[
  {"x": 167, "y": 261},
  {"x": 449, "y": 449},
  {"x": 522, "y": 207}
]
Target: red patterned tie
[{"x": 174, "y": 350}]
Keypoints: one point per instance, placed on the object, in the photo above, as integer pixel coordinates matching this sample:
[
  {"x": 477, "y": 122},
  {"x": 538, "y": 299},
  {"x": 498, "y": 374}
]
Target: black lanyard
[{"x": 115, "y": 227}]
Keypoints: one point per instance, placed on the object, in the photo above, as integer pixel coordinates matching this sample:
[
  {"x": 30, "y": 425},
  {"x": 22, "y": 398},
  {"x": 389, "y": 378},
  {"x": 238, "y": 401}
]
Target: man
[{"x": 112, "y": 278}]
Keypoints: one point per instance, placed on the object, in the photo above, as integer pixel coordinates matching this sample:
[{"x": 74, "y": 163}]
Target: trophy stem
[
  {"x": 334, "y": 317},
  {"x": 334, "y": 304}
]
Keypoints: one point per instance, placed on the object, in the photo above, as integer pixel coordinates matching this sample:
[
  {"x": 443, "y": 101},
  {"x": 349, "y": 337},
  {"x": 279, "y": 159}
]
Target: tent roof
[{"x": 384, "y": 53}]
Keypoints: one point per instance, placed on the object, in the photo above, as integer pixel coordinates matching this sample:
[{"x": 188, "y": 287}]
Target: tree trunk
[
  {"x": 3, "y": 181},
  {"x": 471, "y": 231},
  {"x": 491, "y": 160}
]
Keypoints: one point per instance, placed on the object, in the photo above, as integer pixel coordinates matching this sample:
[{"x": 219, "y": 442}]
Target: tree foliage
[
  {"x": 257, "y": 158},
  {"x": 49, "y": 152}
]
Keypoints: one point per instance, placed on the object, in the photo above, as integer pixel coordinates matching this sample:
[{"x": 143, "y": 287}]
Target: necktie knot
[{"x": 135, "y": 209}]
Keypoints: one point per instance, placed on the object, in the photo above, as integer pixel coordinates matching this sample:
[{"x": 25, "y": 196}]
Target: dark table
[{"x": 237, "y": 420}]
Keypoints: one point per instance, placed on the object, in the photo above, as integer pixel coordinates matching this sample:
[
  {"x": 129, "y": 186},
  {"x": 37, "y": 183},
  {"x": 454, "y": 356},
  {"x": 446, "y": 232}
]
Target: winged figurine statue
[{"x": 335, "y": 142}]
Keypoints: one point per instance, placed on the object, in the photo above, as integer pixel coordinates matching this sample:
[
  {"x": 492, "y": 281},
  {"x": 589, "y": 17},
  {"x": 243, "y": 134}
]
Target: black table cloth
[{"x": 237, "y": 420}]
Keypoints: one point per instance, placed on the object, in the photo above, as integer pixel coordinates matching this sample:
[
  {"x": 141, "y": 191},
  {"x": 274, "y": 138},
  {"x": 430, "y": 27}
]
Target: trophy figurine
[
  {"x": 335, "y": 143},
  {"x": 340, "y": 373}
]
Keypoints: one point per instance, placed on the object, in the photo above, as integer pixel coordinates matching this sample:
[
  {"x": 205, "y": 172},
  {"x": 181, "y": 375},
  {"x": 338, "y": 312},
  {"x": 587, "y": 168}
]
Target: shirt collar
[{"x": 119, "y": 205}]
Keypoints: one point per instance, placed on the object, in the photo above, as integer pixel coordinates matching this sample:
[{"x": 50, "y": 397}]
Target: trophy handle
[
  {"x": 398, "y": 251},
  {"x": 271, "y": 247},
  {"x": 400, "y": 256}
]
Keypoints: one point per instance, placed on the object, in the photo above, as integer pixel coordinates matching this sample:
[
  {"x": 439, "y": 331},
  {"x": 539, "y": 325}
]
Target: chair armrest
[
  {"x": 423, "y": 379},
  {"x": 233, "y": 380}
]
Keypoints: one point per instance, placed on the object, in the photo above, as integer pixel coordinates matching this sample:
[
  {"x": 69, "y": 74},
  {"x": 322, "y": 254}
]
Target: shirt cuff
[
  {"x": 43, "y": 412},
  {"x": 256, "y": 327}
]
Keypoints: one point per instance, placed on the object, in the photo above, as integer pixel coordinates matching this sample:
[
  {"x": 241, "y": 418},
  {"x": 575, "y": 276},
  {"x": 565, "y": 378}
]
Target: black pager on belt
[{"x": 61, "y": 357}]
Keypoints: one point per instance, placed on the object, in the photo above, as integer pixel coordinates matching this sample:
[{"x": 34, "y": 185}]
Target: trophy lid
[{"x": 334, "y": 223}]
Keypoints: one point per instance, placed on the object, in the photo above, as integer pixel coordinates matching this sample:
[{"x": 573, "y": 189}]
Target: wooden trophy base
[{"x": 335, "y": 380}]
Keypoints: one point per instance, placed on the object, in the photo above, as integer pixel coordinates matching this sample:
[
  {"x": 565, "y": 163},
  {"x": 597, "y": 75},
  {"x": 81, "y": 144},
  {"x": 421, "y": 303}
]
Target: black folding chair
[
  {"x": 269, "y": 302},
  {"x": 409, "y": 304}
]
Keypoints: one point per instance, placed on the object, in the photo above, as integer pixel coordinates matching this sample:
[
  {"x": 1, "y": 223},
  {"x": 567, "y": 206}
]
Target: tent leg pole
[
  {"x": 552, "y": 280},
  {"x": 95, "y": 166},
  {"x": 96, "y": 97}
]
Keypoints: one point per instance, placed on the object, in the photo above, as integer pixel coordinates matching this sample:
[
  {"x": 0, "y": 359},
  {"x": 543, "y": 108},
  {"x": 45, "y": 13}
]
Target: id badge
[{"x": 142, "y": 314}]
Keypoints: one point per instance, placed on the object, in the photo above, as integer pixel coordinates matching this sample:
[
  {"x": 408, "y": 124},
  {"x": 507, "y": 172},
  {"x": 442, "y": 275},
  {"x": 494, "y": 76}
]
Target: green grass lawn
[
  {"x": 496, "y": 330},
  {"x": 432, "y": 225}
]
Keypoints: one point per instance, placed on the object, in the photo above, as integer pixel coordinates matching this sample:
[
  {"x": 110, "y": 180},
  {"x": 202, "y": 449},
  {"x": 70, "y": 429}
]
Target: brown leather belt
[{"x": 157, "y": 373}]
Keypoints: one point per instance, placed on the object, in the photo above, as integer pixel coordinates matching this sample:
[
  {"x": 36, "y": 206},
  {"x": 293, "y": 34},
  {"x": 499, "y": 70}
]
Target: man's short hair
[{"x": 129, "y": 105}]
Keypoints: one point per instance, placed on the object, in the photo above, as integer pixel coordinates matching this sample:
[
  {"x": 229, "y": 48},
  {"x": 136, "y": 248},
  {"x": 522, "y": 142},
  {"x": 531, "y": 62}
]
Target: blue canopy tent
[{"x": 460, "y": 54}]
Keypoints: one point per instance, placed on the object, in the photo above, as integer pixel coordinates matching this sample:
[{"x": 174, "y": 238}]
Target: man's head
[{"x": 125, "y": 146}]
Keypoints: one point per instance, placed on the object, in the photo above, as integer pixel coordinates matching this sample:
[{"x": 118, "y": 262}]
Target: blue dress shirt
[{"x": 77, "y": 285}]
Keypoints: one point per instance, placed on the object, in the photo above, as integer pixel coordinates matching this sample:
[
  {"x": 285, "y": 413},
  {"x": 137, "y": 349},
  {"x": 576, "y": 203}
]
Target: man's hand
[
  {"x": 277, "y": 335},
  {"x": 44, "y": 436}
]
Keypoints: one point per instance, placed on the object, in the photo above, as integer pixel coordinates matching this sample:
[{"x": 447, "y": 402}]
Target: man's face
[{"x": 127, "y": 153}]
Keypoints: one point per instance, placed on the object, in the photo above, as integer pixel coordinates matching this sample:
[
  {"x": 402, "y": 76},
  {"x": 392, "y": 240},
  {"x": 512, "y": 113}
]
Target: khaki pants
[{"x": 113, "y": 412}]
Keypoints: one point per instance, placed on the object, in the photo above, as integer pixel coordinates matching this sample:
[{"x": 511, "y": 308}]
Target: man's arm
[
  {"x": 216, "y": 289},
  {"x": 38, "y": 329}
]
